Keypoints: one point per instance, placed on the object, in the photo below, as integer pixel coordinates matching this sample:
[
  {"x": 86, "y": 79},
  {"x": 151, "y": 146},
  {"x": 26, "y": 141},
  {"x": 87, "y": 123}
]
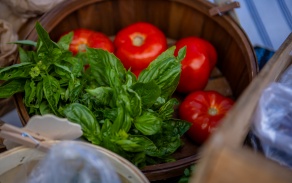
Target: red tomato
[
  {"x": 138, "y": 44},
  {"x": 195, "y": 72},
  {"x": 137, "y": 73},
  {"x": 84, "y": 37},
  {"x": 204, "y": 109},
  {"x": 200, "y": 45}
]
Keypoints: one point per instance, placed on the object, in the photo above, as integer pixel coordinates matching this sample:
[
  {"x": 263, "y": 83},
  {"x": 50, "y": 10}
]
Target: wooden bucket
[
  {"x": 18, "y": 163},
  {"x": 177, "y": 19}
]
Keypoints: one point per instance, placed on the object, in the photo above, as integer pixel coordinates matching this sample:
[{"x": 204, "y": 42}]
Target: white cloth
[
  {"x": 7, "y": 51},
  {"x": 31, "y": 8}
]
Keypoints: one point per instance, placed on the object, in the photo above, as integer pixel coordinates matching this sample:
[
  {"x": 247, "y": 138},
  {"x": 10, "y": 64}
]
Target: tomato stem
[
  {"x": 138, "y": 40},
  {"x": 82, "y": 47},
  {"x": 212, "y": 111}
]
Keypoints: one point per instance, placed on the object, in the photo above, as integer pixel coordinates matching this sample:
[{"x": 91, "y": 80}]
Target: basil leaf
[
  {"x": 168, "y": 141},
  {"x": 11, "y": 87},
  {"x": 148, "y": 123},
  {"x": 149, "y": 92},
  {"x": 81, "y": 115},
  {"x": 75, "y": 93},
  {"x": 16, "y": 71},
  {"x": 181, "y": 53},
  {"x": 25, "y": 42},
  {"x": 65, "y": 41},
  {"x": 39, "y": 93},
  {"x": 63, "y": 71},
  {"x": 135, "y": 103},
  {"x": 131, "y": 79},
  {"x": 108, "y": 144},
  {"x": 52, "y": 93},
  {"x": 139, "y": 159},
  {"x": 106, "y": 129},
  {"x": 101, "y": 63},
  {"x": 74, "y": 64},
  {"x": 44, "y": 43},
  {"x": 102, "y": 95},
  {"x": 33, "y": 58},
  {"x": 165, "y": 71},
  {"x": 30, "y": 93},
  {"x": 176, "y": 126},
  {"x": 149, "y": 146},
  {"x": 23, "y": 56},
  {"x": 166, "y": 110},
  {"x": 45, "y": 108},
  {"x": 55, "y": 55},
  {"x": 123, "y": 120},
  {"x": 163, "y": 145},
  {"x": 110, "y": 113},
  {"x": 129, "y": 145}
]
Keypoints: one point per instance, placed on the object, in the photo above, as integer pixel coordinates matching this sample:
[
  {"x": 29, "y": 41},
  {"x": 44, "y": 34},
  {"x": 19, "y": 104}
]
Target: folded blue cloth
[{"x": 263, "y": 55}]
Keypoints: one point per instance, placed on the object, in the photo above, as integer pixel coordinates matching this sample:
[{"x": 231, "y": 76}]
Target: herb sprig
[{"x": 127, "y": 115}]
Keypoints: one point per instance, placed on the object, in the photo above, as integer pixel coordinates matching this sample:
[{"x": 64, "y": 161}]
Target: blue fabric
[{"x": 263, "y": 55}]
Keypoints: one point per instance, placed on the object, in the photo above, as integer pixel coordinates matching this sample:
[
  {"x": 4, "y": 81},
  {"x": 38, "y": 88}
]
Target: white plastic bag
[
  {"x": 272, "y": 123},
  {"x": 69, "y": 162}
]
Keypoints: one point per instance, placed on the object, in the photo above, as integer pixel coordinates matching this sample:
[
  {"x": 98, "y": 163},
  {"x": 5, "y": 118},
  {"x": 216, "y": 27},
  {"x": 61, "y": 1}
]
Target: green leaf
[
  {"x": 44, "y": 39},
  {"x": 39, "y": 93},
  {"x": 135, "y": 103},
  {"x": 181, "y": 53},
  {"x": 129, "y": 145},
  {"x": 148, "y": 146},
  {"x": 65, "y": 41},
  {"x": 176, "y": 126},
  {"x": 139, "y": 159},
  {"x": 15, "y": 71},
  {"x": 165, "y": 71},
  {"x": 102, "y": 95},
  {"x": 106, "y": 129},
  {"x": 102, "y": 63},
  {"x": 25, "y": 42},
  {"x": 63, "y": 71},
  {"x": 81, "y": 115},
  {"x": 45, "y": 108},
  {"x": 165, "y": 145},
  {"x": 108, "y": 144},
  {"x": 30, "y": 93},
  {"x": 11, "y": 87},
  {"x": 149, "y": 92},
  {"x": 24, "y": 57},
  {"x": 51, "y": 89},
  {"x": 123, "y": 120},
  {"x": 148, "y": 123},
  {"x": 75, "y": 93},
  {"x": 166, "y": 111}
]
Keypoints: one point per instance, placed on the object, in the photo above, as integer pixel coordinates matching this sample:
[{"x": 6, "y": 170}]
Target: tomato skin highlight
[
  {"x": 195, "y": 72},
  {"x": 200, "y": 45},
  {"x": 93, "y": 39},
  {"x": 204, "y": 109},
  {"x": 139, "y": 44},
  {"x": 200, "y": 59}
]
